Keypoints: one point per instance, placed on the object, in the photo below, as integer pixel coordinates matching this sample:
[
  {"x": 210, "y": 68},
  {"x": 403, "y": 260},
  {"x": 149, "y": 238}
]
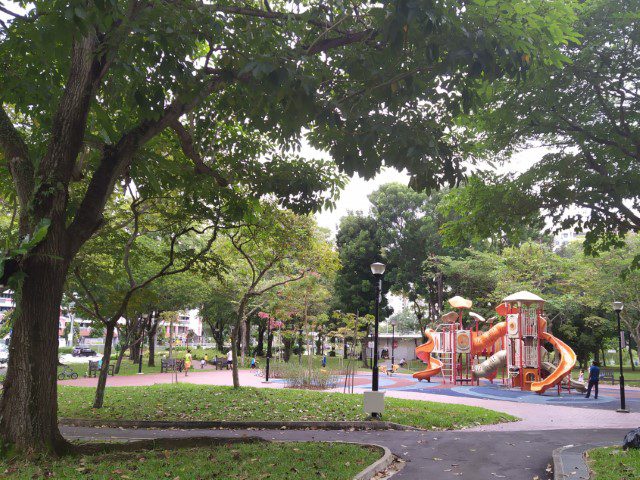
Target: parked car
[
  {"x": 4, "y": 354},
  {"x": 83, "y": 352}
]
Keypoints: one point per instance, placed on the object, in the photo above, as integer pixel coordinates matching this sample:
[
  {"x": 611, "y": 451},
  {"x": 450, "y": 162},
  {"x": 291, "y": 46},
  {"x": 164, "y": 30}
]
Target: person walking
[
  {"x": 229, "y": 359},
  {"x": 594, "y": 378},
  {"x": 324, "y": 361},
  {"x": 187, "y": 363}
]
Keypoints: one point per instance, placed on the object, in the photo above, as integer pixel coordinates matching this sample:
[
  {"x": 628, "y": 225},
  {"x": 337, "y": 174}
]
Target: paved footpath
[{"x": 429, "y": 455}]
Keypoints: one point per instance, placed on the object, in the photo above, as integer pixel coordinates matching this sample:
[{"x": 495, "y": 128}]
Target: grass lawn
[
  {"x": 238, "y": 461},
  {"x": 613, "y": 463},
  {"x": 213, "y": 403}
]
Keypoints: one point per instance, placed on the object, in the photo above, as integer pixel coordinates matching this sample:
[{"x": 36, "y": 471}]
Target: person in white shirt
[{"x": 229, "y": 358}]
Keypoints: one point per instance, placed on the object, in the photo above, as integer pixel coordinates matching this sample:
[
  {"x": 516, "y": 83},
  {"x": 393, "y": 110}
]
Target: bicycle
[{"x": 67, "y": 373}]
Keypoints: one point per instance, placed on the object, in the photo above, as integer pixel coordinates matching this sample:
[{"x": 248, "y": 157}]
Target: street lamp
[
  {"x": 145, "y": 316},
  {"x": 393, "y": 323},
  {"x": 618, "y": 306},
  {"x": 377, "y": 269},
  {"x": 269, "y": 340}
]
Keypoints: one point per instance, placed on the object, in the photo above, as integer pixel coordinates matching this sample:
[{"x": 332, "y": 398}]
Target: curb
[
  {"x": 378, "y": 466},
  {"x": 569, "y": 461},
  {"x": 231, "y": 425}
]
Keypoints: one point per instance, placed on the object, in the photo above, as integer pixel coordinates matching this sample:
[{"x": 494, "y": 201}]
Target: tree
[
  {"x": 409, "y": 224},
  {"x": 218, "y": 311},
  {"x": 275, "y": 249},
  {"x": 358, "y": 247},
  {"x": 146, "y": 239},
  {"x": 96, "y": 91},
  {"x": 586, "y": 113},
  {"x": 607, "y": 278}
]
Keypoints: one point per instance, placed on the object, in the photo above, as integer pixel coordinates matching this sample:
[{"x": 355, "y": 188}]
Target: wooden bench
[
  {"x": 94, "y": 369},
  {"x": 607, "y": 375},
  {"x": 221, "y": 363}
]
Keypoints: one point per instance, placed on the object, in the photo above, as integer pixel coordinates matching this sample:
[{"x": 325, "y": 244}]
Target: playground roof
[
  {"x": 459, "y": 302},
  {"x": 523, "y": 296}
]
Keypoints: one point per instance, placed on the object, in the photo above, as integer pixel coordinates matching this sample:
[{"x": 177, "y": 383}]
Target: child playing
[
  {"x": 187, "y": 363},
  {"x": 581, "y": 376},
  {"x": 253, "y": 362}
]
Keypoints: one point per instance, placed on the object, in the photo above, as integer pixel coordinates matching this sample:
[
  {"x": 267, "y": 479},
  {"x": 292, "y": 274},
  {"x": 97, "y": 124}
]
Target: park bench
[
  {"x": 94, "y": 369},
  {"x": 607, "y": 375},
  {"x": 167, "y": 365},
  {"x": 221, "y": 363}
]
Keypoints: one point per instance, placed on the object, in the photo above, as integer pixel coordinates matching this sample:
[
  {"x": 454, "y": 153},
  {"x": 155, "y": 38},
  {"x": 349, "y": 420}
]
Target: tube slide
[
  {"x": 567, "y": 361},
  {"x": 423, "y": 352},
  {"x": 486, "y": 339},
  {"x": 487, "y": 368},
  {"x": 579, "y": 386}
]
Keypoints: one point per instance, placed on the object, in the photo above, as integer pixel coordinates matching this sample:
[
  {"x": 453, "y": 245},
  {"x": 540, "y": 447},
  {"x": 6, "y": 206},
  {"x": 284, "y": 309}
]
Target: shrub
[{"x": 299, "y": 376}]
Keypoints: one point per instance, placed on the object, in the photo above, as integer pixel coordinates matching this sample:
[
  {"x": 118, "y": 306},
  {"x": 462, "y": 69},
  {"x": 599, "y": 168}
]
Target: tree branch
[
  {"x": 20, "y": 166},
  {"x": 117, "y": 158},
  {"x": 186, "y": 143}
]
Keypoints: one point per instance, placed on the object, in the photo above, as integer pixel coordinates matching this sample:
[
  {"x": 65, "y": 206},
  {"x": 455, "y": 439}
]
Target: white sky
[{"x": 354, "y": 197}]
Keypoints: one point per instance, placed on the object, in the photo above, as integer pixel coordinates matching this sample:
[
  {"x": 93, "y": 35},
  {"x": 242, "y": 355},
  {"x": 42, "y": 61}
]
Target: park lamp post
[
  {"x": 618, "y": 306},
  {"x": 269, "y": 340},
  {"x": 145, "y": 316},
  {"x": 377, "y": 269},
  {"x": 374, "y": 400},
  {"x": 393, "y": 323}
]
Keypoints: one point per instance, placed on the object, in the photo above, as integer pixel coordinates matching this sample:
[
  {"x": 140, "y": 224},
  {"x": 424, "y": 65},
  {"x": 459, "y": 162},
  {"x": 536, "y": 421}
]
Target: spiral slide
[
  {"x": 423, "y": 352},
  {"x": 579, "y": 386},
  {"x": 567, "y": 361}
]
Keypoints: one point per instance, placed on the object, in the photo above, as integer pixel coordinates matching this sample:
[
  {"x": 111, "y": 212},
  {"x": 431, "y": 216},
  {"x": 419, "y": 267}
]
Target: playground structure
[{"x": 513, "y": 348}]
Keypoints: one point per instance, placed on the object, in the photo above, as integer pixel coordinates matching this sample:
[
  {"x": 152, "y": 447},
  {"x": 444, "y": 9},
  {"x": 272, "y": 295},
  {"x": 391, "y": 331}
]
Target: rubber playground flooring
[{"x": 608, "y": 398}]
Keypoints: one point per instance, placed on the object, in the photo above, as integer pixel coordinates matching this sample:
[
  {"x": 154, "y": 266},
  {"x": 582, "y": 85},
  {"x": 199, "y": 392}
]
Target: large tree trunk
[
  {"x": 604, "y": 357},
  {"x": 218, "y": 337},
  {"x": 234, "y": 353},
  {"x": 104, "y": 371},
  {"x": 123, "y": 350},
  {"x": 287, "y": 343},
  {"x": 29, "y": 403},
  {"x": 247, "y": 338},
  {"x": 260, "y": 348}
]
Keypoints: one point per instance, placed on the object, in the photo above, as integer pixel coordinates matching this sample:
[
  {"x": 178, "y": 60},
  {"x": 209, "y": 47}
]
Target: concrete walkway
[{"x": 429, "y": 455}]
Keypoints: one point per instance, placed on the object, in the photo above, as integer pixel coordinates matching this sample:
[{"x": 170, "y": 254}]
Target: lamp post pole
[
  {"x": 269, "y": 339},
  {"x": 144, "y": 326},
  {"x": 377, "y": 269},
  {"x": 617, "y": 306},
  {"x": 393, "y": 343}
]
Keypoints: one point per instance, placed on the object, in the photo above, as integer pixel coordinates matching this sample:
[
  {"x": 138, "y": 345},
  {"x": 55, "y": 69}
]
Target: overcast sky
[{"x": 354, "y": 196}]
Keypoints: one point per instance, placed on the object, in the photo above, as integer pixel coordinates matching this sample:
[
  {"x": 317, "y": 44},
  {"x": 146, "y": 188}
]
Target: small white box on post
[{"x": 374, "y": 402}]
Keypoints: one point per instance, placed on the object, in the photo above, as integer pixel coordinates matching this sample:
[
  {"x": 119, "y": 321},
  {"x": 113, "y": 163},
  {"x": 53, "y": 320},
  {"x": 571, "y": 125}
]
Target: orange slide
[
  {"x": 567, "y": 361},
  {"x": 485, "y": 339},
  {"x": 423, "y": 352}
]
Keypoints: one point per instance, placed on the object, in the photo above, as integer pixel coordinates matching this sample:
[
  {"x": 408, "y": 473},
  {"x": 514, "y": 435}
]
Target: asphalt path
[{"x": 524, "y": 455}]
